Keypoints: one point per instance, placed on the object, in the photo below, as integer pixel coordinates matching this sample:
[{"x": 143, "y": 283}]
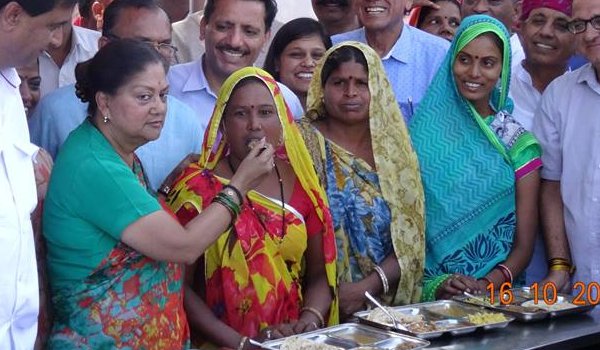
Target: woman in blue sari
[{"x": 480, "y": 168}]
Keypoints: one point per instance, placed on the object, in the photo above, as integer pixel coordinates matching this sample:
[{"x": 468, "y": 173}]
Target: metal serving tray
[
  {"x": 446, "y": 317},
  {"x": 523, "y": 308},
  {"x": 358, "y": 337}
]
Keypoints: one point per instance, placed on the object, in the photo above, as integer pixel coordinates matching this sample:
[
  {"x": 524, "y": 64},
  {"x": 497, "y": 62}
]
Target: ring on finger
[
  {"x": 314, "y": 324},
  {"x": 268, "y": 333}
]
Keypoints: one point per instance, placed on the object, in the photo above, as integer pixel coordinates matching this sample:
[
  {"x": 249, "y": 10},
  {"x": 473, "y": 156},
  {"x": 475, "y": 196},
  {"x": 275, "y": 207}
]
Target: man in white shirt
[
  {"x": 568, "y": 128},
  {"x": 57, "y": 64},
  {"x": 548, "y": 45},
  {"x": 26, "y": 29},
  {"x": 234, "y": 32}
]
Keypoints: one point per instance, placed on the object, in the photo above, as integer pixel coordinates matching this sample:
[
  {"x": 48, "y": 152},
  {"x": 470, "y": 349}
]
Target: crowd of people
[{"x": 159, "y": 189}]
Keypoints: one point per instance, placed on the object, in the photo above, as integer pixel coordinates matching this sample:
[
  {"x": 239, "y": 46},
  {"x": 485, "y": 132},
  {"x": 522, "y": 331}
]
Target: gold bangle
[{"x": 315, "y": 312}]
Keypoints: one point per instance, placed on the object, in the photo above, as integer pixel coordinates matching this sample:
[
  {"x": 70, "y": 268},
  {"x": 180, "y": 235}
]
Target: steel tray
[
  {"x": 448, "y": 317},
  {"x": 358, "y": 337},
  {"x": 523, "y": 308}
]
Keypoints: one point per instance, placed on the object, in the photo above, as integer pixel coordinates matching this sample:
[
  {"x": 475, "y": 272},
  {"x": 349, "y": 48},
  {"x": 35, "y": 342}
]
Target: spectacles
[
  {"x": 580, "y": 25},
  {"x": 164, "y": 48}
]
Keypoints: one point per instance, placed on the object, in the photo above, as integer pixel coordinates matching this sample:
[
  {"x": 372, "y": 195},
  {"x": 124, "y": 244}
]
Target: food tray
[
  {"x": 358, "y": 337},
  {"x": 523, "y": 308},
  {"x": 442, "y": 317}
]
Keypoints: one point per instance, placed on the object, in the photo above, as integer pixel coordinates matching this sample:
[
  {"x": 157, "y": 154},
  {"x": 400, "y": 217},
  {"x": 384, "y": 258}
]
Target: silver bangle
[{"x": 384, "y": 280}]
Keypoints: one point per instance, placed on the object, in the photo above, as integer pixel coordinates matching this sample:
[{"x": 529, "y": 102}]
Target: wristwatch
[{"x": 231, "y": 194}]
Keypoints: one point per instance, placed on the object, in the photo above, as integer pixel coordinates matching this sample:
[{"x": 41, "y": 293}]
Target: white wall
[{"x": 290, "y": 9}]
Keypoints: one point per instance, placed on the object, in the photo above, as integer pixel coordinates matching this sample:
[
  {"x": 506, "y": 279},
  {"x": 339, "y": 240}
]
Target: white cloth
[
  {"x": 19, "y": 300},
  {"x": 568, "y": 128},
  {"x": 518, "y": 54},
  {"x": 186, "y": 37},
  {"x": 524, "y": 95},
  {"x": 84, "y": 46}
]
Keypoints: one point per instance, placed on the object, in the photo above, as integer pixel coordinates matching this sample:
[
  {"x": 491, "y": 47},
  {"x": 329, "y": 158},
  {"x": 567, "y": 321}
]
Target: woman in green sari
[
  {"x": 480, "y": 167},
  {"x": 361, "y": 150}
]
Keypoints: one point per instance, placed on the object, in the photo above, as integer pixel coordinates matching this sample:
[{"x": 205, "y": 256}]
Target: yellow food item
[
  {"x": 486, "y": 318},
  {"x": 299, "y": 343}
]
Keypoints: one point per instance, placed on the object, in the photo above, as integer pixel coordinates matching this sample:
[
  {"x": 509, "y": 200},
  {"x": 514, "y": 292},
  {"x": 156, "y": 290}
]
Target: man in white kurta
[{"x": 25, "y": 30}]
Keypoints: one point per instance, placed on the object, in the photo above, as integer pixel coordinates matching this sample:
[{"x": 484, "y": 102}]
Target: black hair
[
  {"x": 426, "y": 10},
  {"x": 39, "y": 7},
  {"x": 270, "y": 11},
  {"x": 497, "y": 41},
  {"x": 85, "y": 8},
  {"x": 342, "y": 55},
  {"x": 113, "y": 65},
  {"x": 293, "y": 30},
  {"x": 113, "y": 11}
]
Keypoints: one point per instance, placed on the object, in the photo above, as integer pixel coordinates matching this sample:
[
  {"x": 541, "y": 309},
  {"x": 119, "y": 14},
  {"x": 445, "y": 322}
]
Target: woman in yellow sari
[
  {"x": 272, "y": 273},
  {"x": 362, "y": 152}
]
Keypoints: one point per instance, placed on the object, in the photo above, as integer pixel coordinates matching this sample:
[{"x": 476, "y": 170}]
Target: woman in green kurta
[{"x": 114, "y": 256}]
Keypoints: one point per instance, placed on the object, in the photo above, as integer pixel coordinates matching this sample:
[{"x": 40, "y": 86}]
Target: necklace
[
  {"x": 8, "y": 81},
  {"x": 280, "y": 193}
]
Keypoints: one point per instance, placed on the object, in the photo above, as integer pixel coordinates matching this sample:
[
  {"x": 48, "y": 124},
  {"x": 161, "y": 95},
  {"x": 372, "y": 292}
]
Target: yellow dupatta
[
  {"x": 294, "y": 242},
  {"x": 397, "y": 169}
]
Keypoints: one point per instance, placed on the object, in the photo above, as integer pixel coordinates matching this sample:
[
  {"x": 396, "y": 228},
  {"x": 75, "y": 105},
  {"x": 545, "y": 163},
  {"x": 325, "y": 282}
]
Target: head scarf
[
  {"x": 214, "y": 148},
  {"x": 397, "y": 168},
  {"x": 564, "y": 6}
]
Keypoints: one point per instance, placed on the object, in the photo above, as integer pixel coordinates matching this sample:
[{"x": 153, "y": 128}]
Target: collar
[
  {"x": 402, "y": 47},
  {"x": 10, "y": 77},
  {"x": 85, "y": 38},
  {"x": 587, "y": 75},
  {"x": 196, "y": 80}
]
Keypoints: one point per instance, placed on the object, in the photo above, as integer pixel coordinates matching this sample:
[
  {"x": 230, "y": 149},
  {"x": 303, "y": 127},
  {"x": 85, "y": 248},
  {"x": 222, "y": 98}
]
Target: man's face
[
  {"x": 234, "y": 36},
  {"x": 36, "y": 34},
  {"x": 588, "y": 42},
  {"x": 151, "y": 25},
  {"x": 546, "y": 38},
  {"x": 332, "y": 11},
  {"x": 377, "y": 15},
  {"x": 503, "y": 10}
]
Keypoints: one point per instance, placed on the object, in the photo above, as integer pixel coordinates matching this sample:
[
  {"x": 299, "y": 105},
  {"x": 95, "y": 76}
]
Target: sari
[
  {"x": 253, "y": 272},
  {"x": 129, "y": 301},
  {"x": 376, "y": 212},
  {"x": 469, "y": 165}
]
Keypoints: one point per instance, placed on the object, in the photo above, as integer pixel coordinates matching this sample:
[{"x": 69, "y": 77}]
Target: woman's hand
[
  {"x": 560, "y": 279},
  {"x": 42, "y": 167},
  {"x": 255, "y": 167},
  {"x": 352, "y": 298},
  {"x": 304, "y": 325},
  {"x": 427, "y": 3},
  {"x": 456, "y": 285}
]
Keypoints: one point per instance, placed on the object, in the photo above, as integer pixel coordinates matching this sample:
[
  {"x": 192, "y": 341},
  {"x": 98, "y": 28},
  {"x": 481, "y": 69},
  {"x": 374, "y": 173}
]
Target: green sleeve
[
  {"x": 110, "y": 196},
  {"x": 525, "y": 150},
  {"x": 430, "y": 286}
]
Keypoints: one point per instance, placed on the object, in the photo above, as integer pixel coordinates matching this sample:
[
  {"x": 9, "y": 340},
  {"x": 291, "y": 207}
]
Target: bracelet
[
  {"x": 563, "y": 267},
  {"x": 383, "y": 277},
  {"x": 508, "y": 276},
  {"x": 315, "y": 312},
  {"x": 164, "y": 190},
  {"x": 243, "y": 342},
  {"x": 231, "y": 191},
  {"x": 229, "y": 201}
]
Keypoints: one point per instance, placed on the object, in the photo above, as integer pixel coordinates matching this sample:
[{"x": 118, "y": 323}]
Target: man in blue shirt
[
  {"x": 410, "y": 56},
  {"x": 60, "y": 112},
  {"x": 234, "y": 32}
]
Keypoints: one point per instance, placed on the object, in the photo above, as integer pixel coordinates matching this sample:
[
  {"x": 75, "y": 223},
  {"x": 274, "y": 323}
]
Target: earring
[{"x": 106, "y": 118}]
